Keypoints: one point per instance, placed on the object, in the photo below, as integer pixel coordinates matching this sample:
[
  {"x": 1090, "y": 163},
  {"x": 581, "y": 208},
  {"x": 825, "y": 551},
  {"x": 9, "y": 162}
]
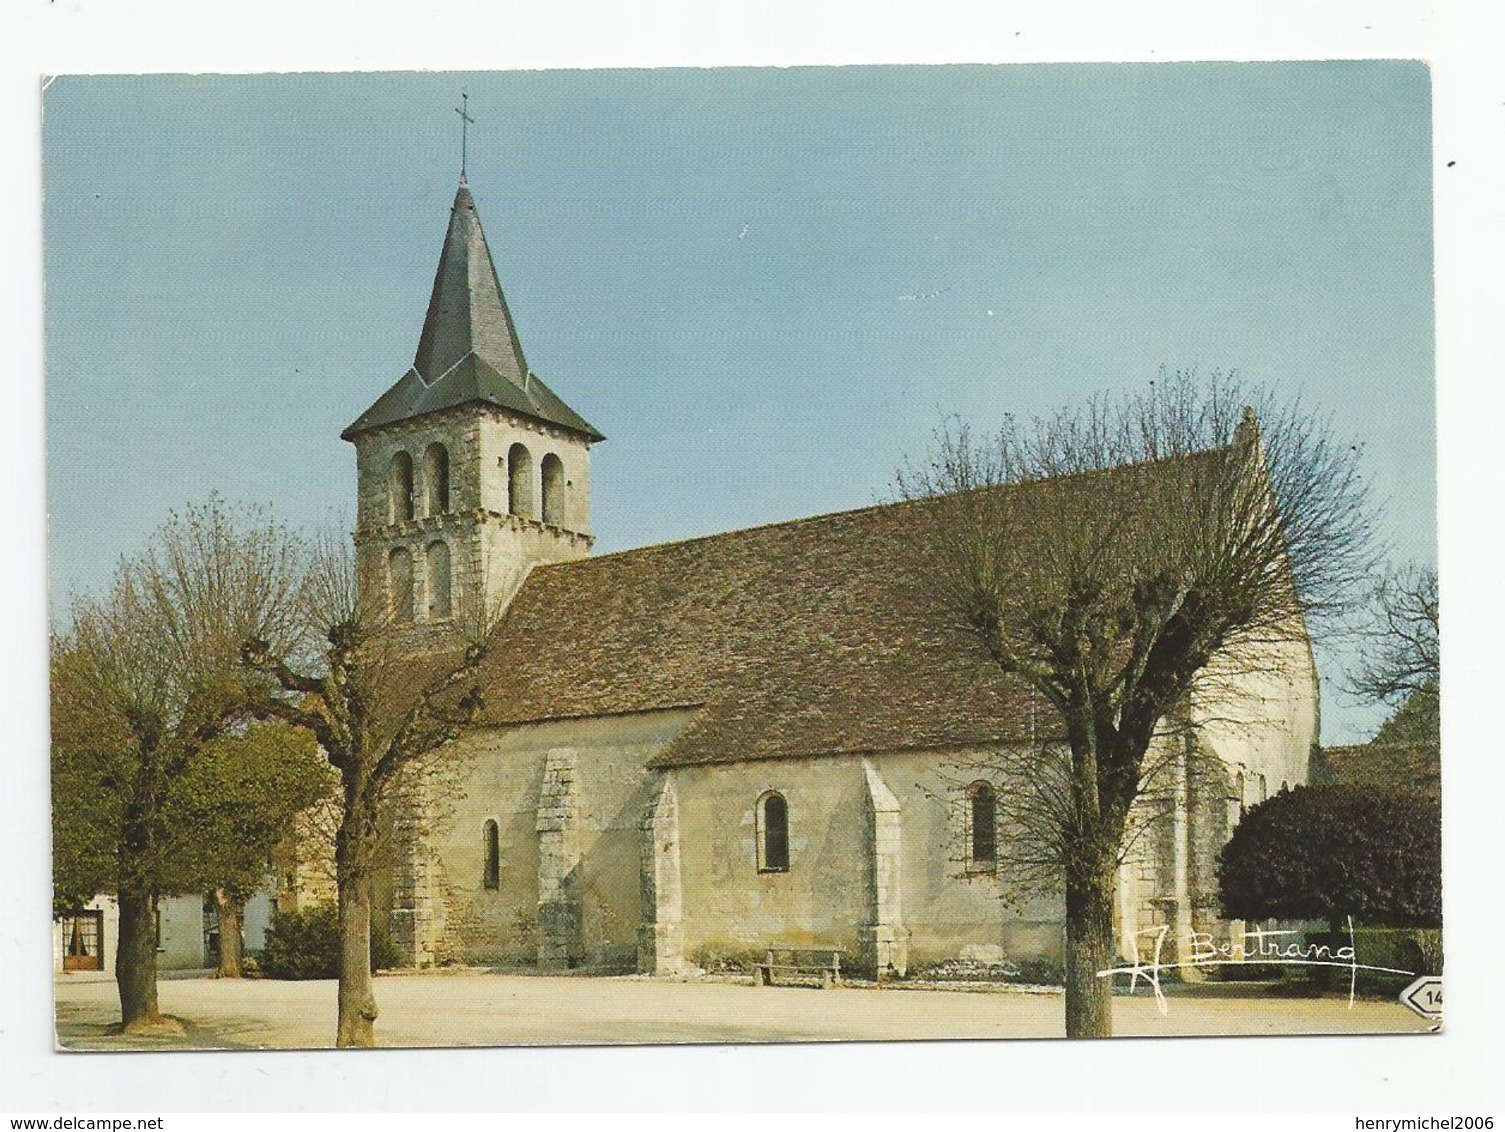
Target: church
[{"x": 692, "y": 752}]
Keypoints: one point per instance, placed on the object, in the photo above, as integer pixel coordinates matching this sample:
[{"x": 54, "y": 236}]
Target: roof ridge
[{"x": 854, "y": 511}]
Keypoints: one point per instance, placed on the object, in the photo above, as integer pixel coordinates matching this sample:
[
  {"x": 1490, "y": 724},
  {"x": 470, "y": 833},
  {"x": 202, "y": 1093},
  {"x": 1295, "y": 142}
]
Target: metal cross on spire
[{"x": 465, "y": 122}]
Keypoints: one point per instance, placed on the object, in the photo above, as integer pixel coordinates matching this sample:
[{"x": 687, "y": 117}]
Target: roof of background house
[
  {"x": 811, "y": 637},
  {"x": 469, "y": 350},
  {"x": 1393, "y": 766}
]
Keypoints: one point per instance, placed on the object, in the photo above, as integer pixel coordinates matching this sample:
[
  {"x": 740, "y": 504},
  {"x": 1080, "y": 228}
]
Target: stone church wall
[
  {"x": 732, "y": 910},
  {"x": 1262, "y": 726},
  {"x": 954, "y": 910},
  {"x": 584, "y": 781},
  {"x": 574, "y": 806},
  {"x": 1264, "y": 722}
]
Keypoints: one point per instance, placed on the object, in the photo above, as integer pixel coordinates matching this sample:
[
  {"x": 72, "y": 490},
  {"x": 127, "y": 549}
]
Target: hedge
[
  {"x": 305, "y": 944},
  {"x": 1329, "y": 852}
]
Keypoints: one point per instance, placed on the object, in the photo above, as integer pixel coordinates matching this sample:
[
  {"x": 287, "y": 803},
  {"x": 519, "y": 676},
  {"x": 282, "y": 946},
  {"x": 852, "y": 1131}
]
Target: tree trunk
[
  {"x": 136, "y": 956},
  {"x": 136, "y": 945},
  {"x": 232, "y": 907},
  {"x": 354, "y": 845},
  {"x": 357, "y": 1025},
  {"x": 1089, "y": 949}
]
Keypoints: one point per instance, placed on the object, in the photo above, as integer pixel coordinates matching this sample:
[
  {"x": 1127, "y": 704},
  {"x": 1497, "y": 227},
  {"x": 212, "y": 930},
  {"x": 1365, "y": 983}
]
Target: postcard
[{"x": 742, "y": 555}]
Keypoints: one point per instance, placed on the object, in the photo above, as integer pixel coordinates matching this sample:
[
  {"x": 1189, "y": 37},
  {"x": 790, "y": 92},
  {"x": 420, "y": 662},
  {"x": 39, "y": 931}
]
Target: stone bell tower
[{"x": 470, "y": 469}]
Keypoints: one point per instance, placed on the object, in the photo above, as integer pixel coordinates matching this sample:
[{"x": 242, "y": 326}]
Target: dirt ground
[{"x": 478, "y": 1009}]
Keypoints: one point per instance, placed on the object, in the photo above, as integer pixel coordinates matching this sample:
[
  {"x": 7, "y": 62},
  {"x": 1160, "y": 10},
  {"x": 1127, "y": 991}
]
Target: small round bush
[
  {"x": 1327, "y": 852},
  {"x": 305, "y": 944}
]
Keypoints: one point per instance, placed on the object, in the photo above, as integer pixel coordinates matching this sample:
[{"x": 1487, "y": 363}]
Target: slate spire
[
  {"x": 468, "y": 352},
  {"x": 467, "y": 310}
]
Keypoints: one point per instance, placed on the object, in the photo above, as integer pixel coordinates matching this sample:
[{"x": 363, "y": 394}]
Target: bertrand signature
[{"x": 1251, "y": 946}]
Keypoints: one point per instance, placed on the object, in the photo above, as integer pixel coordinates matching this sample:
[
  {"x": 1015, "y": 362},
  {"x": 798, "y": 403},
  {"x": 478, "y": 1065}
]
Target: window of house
[
  {"x": 436, "y": 478},
  {"x": 773, "y": 833},
  {"x": 982, "y": 824},
  {"x": 491, "y": 871},
  {"x": 400, "y": 488},
  {"x": 440, "y": 604},
  {"x": 83, "y": 941},
  {"x": 400, "y": 583},
  {"x": 552, "y": 470},
  {"x": 520, "y": 481}
]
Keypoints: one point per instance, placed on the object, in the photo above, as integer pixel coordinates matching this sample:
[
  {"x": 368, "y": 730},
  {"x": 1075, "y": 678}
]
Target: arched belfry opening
[
  {"x": 520, "y": 482},
  {"x": 400, "y": 584},
  {"x": 400, "y": 488},
  {"x": 551, "y": 470}
]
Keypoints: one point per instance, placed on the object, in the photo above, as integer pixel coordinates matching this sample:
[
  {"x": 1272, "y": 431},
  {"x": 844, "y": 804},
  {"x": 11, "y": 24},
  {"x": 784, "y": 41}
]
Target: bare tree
[
  {"x": 1109, "y": 557},
  {"x": 380, "y": 707},
  {"x": 1401, "y": 661},
  {"x": 145, "y": 680}
]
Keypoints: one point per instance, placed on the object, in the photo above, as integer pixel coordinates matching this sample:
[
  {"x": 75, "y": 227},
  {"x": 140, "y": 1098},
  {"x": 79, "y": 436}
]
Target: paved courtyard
[{"x": 487, "y": 1010}]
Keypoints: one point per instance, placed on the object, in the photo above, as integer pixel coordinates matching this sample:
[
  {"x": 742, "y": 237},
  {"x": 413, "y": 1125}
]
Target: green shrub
[
  {"x": 1329, "y": 852},
  {"x": 305, "y": 944},
  {"x": 1416, "y": 951}
]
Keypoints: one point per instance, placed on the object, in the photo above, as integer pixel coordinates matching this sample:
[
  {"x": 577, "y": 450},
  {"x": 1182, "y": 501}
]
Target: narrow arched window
[
  {"x": 400, "y": 488},
  {"x": 436, "y": 478},
  {"x": 491, "y": 870},
  {"x": 520, "y": 481},
  {"x": 440, "y": 604},
  {"x": 773, "y": 833},
  {"x": 1264, "y": 791},
  {"x": 982, "y": 824},
  {"x": 400, "y": 583},
  {"x": 552, "y": 468}
]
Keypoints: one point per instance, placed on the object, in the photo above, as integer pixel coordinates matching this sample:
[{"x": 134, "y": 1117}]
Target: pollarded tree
[
  {"x": 1331, "y": 852},
  {"x": 1106, "y": 557},
  {"x": 145, "y": 680},
  {"x": 380, "y": 709}
]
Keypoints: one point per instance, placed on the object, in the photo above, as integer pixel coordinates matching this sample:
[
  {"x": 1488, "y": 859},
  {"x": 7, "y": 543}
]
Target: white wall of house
[
  {"x": 182, "y": 942},
  {"x": 258, "y": 918}
]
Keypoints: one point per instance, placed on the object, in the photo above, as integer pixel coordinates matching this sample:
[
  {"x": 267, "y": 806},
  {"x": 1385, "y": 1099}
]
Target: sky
[{"x": 767, "y": 287}]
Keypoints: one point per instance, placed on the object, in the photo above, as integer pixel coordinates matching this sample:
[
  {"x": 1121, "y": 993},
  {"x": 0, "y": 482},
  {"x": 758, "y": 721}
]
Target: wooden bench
[{"x": 821, "y": 962}]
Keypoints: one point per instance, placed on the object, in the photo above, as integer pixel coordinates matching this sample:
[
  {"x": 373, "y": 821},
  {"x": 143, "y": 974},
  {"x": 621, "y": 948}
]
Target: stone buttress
[
  {"x": 661, "y": 933},
  {"x": 885, "y": 941},
  {"x": 558, "y": 826}
]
